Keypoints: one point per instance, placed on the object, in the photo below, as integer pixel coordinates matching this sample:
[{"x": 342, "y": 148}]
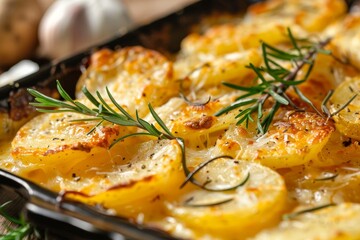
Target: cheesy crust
[
  {"x": 134, "y": 75},
  {"x": 294, "y": 139},
  {"x": 306, "y": 159}
]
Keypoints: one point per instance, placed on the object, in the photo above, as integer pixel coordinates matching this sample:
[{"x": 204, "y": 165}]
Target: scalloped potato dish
[{"x": 252, "y": 131}]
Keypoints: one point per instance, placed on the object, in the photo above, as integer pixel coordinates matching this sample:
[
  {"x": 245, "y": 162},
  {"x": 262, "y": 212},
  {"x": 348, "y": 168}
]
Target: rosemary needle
[
  {"x": 327, "y": 178},
  {"x": 212, "y": 204},
  {"x": 308, "y": 210},
  {"x": 22, "y": 230}
]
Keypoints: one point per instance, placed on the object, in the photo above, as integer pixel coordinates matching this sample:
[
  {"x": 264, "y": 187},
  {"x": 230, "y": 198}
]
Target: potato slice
[
  {"x": 335, "y": 223},
  {"x": 348, "y": 120},
  {"x": 8, "y": 126},
  {"x": 209, "y": 71},
  {"x": 339, "y": 149},
  {"x": 346, "y": 38},
  {"x": 54, "y": 144},
  {"x": 134, "y": 75},
  {"x": 293, "y": 139},
  {"x": 196, "y": 123},
  {"x": 262, "y": 23},
  {"x": 152, "y": 173},
  {"x": 245, "y": 210},
  {"x": 308, "y": 185},
  {"x": 327, "y": 73}
]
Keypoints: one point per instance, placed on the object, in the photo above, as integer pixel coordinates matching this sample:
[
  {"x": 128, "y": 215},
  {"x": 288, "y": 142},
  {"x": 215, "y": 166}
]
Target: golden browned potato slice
[
  {"x": 346, "y": 38},
  {"x": 244, "y": 210},
  {"x": 8, "y": 126},
  {"x": 196, "y": 123},
  {"x": 208, "y": 71},
  {"x": 134, "y": 75},
  {"x": 51, "y": 145},
  {"x": 309, "y": 185},
  {"x": 328, "y": 72},
  {"x": 331, "y": 223},
  {"x": 150, "y": 174},
  {"x": 339, "y": 149},
  {"x": 293, "y": 139},
  {"x": 348, "y": 120},
  {"x": 313, "y": 16}
]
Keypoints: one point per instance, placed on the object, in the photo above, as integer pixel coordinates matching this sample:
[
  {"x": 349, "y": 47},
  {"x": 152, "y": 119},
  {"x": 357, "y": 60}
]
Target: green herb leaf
[
  {"x": 308, "y": 210},
  {"x": 199, "y": 205}
]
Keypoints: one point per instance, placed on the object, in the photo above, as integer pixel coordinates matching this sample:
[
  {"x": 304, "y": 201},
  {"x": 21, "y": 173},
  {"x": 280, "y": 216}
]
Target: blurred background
[{"x": 33, "y": 32}]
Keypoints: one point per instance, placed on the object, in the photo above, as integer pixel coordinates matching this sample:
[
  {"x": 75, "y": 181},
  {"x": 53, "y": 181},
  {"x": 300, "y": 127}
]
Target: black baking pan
[
  {"x": 73, "y": 220},
  {"x": 70, "y": 220}
]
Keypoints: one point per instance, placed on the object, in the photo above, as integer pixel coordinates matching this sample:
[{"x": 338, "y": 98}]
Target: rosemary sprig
[
  {"x": 188, "y": 203},
  {"x": 308, "y": 210},
  {"x": 274, "y": 80},
  {"x": 22, "y": 230},
  {"x": 101, "y": 112}
]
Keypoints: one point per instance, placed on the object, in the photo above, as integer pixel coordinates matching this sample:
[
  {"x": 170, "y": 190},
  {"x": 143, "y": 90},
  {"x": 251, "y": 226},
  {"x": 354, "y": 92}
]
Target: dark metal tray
[{"x": 72, "y": 220}]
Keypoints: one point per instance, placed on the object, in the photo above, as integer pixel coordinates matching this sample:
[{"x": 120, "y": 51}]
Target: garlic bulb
[{"x": 71, "y": 26}]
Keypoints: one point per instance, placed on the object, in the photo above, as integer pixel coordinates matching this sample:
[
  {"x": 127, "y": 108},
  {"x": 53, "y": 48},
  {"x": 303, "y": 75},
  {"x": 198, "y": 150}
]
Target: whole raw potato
[{"x": 19, "y": 20}]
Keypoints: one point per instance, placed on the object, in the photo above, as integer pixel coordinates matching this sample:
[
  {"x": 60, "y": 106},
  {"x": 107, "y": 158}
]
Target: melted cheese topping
[
  {"x": 135, "y": 76},
  {"x": 304, "y": 160}
]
